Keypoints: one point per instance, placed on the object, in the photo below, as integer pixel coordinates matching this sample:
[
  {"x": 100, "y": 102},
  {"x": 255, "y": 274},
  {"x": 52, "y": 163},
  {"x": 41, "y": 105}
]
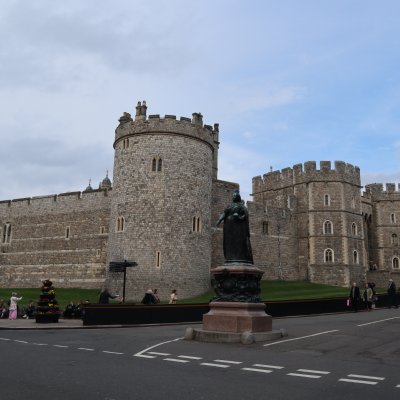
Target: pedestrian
[
  {"x": 3, "y": 309},
  {"x": 368, "y": 293},
  {"x": 174, "y": 297},
  {"x": 155, "y": 294},
  {"x": 13, "y": 309},
  {"x": 392, "y": 296},
  {"x": 354, "y": 296},
  {"x": 105, "y": 296},
  {"x": 148, "y": 298},
  {"x": 30, "y": 310}
]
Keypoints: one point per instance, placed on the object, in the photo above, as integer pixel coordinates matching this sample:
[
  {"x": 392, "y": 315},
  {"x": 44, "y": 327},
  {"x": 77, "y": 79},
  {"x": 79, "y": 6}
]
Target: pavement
[{"x": 22, "y": 323}]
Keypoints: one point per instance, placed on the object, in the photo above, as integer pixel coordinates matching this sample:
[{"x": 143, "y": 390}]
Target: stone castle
[{"x": 306, "y": 223}]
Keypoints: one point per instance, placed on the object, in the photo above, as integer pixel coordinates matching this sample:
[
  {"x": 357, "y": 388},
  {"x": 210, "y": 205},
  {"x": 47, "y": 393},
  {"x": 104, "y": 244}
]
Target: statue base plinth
[{"x": 237, "y": 317}]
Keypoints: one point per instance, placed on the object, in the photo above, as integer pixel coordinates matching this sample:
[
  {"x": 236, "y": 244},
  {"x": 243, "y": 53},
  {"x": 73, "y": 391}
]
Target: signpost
[{"x": 121, "y": 266}]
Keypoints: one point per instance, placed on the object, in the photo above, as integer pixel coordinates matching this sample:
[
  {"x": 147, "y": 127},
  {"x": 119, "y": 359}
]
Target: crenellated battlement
[
  {"x": 50, "y": 202},
  {"x": 379, "y": 191},
  {"x": 169, "y": 124},
  {"x": 307, "y": 172}
]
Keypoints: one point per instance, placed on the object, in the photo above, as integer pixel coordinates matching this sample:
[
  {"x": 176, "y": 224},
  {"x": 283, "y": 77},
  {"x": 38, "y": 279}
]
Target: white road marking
[
  {"x": 313, "y": 371},
  {"x": 2, "y": 338},
  {"x": 59, "y": 345},
  {"x": 85, "y": 348},
  {"x": 191, "y": 357},
  {"x": 228, "y": 361},
  {"x": 368, "y": 380},
  {"x": 215, "y": 365},
  {"x": 20, "y": 341},
  {"x": 159, "y": 354},
  {"x": 156, "y": 345},
  {"x": 40, "y": 344},
  {"x": 268, "y": 366},
  {"x": 302, "y": 337},
  {"x": 377, "y": 322},
  {"x": 304, "y": 375},
  {"x": 357, "y": 381},
  {"x": 143, "y": 356},
  {"x": 378, "y": 378},
  {"x": 398, "y": 386},
  {"x": 176, "y": 360},
  {"x": 266, "y": 371},
  {"x": 111, "y": 352}
]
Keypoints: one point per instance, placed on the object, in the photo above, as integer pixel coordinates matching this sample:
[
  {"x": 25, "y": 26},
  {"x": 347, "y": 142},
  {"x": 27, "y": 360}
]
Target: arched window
[
  {"x": 355, "y": 257},
  {"x": 328, "y": 255},
  {"x": 393, "y": 218},
  {"x": 154, "y": 165},
  {"x": 196, "y": 224},
  {"x": 354, "y": 229},
  {"x": 265, "y": 228},
  {"x": 395, "y": 263},
  {"x": 328, "y": 228},
  {"x": 7, "y": 233},
  {"x": 120, "y": 224},
  {"x": 395, "y": 239},
  {"x": 159, "y": 165},
  {"x": 327, "y": 200}
]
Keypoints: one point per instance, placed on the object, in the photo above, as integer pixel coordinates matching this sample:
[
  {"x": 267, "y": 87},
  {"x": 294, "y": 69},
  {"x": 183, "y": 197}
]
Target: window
[
  {"x": 98, "y": 253},
  {"x": 156, "y": 165},
  {"x": 67, "y": 232},
  {"x": 265, "y": 228},
  {"x": 355, "y": 257},
  {"x": 158, "y": 259},
  {"x": 395, "y": 263},
  {"x": 102, "y": 230},
  {"x": 327, "y": 200},
  {"x": 328, "y": 228},
  {"x": 353, "y": 202},
  {"x": 393, "y": 218},
  {"x": 354, "y": 229},
  {"x": 125, "y": 143},
  {"x": 196, "y": 224},
  {"x": 395, "y": 239},
  {"x": 7, "y": 233},
  {"x": 328, "y": 255},
  {"x": 120, "y": 224}
]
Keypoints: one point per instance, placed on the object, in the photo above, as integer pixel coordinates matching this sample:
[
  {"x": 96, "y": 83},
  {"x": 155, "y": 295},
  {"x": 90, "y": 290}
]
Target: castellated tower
[
  {"x": 327, "y": 220},
  {"x": 161, "y": 205}
]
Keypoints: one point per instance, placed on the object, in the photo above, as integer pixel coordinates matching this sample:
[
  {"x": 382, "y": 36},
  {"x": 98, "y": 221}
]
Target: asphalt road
[{"x": 341, "y": 356}]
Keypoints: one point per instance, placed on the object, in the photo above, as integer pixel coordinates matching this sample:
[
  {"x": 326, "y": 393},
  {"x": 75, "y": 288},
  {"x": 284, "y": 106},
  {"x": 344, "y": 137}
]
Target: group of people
[
  {"x": 10, "y": 309},
  {"x": 151, "y": 297},
  {"x": 369, "y": 296}
]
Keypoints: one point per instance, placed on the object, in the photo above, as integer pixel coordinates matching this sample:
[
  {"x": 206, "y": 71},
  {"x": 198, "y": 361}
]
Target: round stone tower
[{"x": 161, "y": 203}]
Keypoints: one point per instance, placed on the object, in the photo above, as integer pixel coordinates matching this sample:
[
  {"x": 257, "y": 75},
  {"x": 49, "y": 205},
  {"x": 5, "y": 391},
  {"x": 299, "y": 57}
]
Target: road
[{"x": 341, "y": 356}]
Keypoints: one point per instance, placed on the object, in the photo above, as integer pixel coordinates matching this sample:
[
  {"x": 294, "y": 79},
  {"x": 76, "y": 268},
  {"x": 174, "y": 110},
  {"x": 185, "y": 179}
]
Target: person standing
[
  {"x": 392, "y": 296},
  {"x": 13, "y": 309},
  {"x": 105, "y": 296},
  {"x": 368, "y": 293},
  {"x": 355, "y": 296},
  {"x": 174, "y": 297},
  {"x": 149, "y": 298},
  {"x": 155, "y": 294}
]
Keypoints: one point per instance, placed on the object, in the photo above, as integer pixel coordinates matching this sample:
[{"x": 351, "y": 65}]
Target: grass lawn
[{"x": 270, "y": 291}]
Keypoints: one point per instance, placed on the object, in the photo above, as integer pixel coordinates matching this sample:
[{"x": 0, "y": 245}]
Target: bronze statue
[{"x": 236, "y": 242}]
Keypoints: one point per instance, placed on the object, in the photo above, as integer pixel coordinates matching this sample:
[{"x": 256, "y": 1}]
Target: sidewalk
[{"x": 22, "y": 323}]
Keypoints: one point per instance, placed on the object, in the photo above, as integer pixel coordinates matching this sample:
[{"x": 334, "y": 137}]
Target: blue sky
[{"x": 288, "y": 82}]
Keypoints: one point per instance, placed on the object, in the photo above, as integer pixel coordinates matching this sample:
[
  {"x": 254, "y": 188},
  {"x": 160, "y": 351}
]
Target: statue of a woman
[{"x": 237, "y": 247}]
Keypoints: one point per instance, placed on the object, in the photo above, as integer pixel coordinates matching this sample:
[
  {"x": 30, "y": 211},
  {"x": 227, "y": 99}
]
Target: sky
[{"x": 288, "y": 81}]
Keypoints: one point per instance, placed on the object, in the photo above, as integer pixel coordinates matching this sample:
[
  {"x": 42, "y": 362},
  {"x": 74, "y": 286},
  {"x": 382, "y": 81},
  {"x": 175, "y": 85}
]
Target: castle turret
[{"x": 161, "y": 202}]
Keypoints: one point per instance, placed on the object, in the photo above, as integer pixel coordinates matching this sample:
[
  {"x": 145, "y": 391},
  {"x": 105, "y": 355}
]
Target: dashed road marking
[
  {"x": 228, "y": 362},
  {"x": 363, "y": 379},
  {"x": 111, "y": 352},
  {"x": 60, "y": 345},
  {"x": 191, "y": 357},
  {"x": 176, "y": 360},
  {"x": 143, "y": 356},
  {"x": 159, "y": 354},
  {"x": 140, "y": 353},
  {"x": 308, "y": 373},
  {"x": 4, "y": 338},
  {"x": 20, "y": 341},
  {"x": 268, "y": 366},
  {"x": 215, "y": 365},
  {"x": 266, "y": 371},
  {"x": 40, "y": 344},
  {"x": 85, "y": 348},
  {"x": 377, "y": 322}
]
